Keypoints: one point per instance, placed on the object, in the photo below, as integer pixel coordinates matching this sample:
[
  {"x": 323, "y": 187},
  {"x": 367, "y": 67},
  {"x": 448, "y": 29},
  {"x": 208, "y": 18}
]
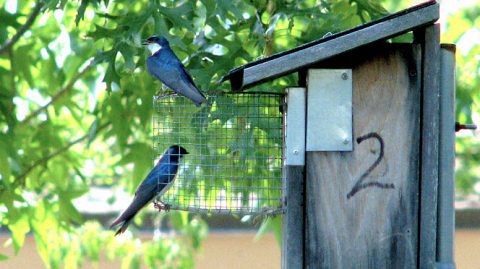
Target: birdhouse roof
[{"x": 292, "y": 60}]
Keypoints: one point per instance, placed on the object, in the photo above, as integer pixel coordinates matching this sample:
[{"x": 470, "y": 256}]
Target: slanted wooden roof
[{"x": 290, "y": 61}]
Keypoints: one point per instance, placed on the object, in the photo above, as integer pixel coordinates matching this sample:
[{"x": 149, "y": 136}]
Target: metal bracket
[
  {"x": 295, "y": 131},
  {"x": 329, "y": 111}
]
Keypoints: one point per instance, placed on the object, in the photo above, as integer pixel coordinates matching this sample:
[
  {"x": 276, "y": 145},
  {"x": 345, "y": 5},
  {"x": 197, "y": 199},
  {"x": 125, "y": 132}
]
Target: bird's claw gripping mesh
[
  {"x": 235, "y": 145},
  {"x": 161, "y": 206}
]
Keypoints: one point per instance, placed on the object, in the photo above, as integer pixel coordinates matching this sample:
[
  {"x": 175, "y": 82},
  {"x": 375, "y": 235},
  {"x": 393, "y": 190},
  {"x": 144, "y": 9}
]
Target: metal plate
[
  {"x": 329, "y": 110},
  {"x": 295, "y": 131}
]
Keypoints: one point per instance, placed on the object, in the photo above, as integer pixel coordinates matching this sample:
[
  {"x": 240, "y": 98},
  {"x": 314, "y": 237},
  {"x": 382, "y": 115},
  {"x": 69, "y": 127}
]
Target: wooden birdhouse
[{"x": 369, "y": 145}]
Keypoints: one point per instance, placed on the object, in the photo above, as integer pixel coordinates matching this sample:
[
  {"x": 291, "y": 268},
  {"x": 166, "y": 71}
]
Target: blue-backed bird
[
  {"x": 165, "y": 66},
  {"x": 158, "y": 181}
]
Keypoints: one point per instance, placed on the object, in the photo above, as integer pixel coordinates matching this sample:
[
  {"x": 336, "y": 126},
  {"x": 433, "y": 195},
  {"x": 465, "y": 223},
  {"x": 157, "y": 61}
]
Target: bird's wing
[
  {"x": 158, "y": 177},
  {"x": 156, "y": 180},
  {"x": 169, "y": 56},
  {"x": 186, "y": 75},
  {"x": 169, "y": 70},
  {"x": 189, "y": 78}
]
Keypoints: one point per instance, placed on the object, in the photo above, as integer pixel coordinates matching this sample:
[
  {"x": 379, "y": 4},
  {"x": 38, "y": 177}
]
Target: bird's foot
[
  {"x": 163, "y": 94},
  {"x": 161, "y": 206}
]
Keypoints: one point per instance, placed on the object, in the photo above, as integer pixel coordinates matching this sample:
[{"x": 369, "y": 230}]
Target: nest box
[{"x": 369, "y": 145}]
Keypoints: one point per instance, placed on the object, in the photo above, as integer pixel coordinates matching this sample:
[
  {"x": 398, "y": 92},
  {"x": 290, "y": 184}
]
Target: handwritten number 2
[{"x": 360, "y": 185}]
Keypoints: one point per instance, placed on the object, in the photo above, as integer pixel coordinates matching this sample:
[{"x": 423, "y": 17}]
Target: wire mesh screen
[{"x": 235, "y": 145}]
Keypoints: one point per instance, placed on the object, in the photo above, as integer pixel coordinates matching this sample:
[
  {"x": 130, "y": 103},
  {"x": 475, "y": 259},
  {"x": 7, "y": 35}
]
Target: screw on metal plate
[
  {"x": 459, "y": 126},
  {"x": 295, "y": 126},
  {"x": 329, "y": 113}
]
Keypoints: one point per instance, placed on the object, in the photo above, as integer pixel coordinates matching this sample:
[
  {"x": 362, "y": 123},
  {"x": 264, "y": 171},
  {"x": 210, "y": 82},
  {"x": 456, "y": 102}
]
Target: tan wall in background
[
  {"x": 239, "y": 251},
  {"x": 467, "y": 249}
]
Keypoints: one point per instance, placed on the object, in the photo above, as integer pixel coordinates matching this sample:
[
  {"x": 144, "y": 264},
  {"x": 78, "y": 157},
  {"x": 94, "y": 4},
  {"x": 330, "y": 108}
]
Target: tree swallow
[
  {"x": 158, "y": 181},
  {"x": 165, "y": 66}
]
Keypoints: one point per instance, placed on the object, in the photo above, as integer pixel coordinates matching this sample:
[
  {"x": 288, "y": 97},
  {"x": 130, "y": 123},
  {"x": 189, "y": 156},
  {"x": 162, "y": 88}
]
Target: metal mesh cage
[{"x": 235, "y": 145}]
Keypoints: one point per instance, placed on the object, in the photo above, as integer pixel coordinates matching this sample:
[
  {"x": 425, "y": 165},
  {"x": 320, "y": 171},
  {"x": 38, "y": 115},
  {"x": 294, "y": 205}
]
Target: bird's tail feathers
[
  {"x": 123, "y": 228},
  {"x": 126, "y": 217},
  {"x": 198, "y": 100},
  {"x": 117, "y": 221},
  {"x": 124, "y": 223}
]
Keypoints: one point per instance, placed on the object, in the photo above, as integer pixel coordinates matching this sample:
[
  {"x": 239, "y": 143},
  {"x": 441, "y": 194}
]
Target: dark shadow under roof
[{"x": 292, "y": 60}]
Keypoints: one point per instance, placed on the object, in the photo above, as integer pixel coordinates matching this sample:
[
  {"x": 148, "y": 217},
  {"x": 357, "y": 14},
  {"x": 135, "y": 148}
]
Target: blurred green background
[{"x": 76, "y": 107}]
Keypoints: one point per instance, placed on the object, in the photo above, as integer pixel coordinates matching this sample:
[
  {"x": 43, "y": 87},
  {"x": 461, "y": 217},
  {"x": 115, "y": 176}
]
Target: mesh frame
[{"x": 235, "y": 144}]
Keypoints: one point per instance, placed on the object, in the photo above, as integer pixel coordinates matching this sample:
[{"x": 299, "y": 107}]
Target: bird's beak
[{"x": 146, "y": 42}]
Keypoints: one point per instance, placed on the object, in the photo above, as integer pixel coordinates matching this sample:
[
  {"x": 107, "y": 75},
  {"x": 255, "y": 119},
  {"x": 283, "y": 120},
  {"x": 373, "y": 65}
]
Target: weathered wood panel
[
  {"x": 430, "y": 39},
  {"x": 293, "y": 222},
  {"x": 446, "y": 177},
  {"x": 376, "y": 225}
]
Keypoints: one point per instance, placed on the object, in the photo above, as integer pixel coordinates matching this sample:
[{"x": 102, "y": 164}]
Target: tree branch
[
  {"x": 67, "y": 88},
  {"x": 12, "y": 72},
  {"x": 21, "y": 179},
  {"x": 31, "y": 19}
]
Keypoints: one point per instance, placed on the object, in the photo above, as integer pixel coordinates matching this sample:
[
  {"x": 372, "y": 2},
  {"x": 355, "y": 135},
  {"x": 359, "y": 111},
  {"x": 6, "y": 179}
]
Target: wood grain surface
[{"x": 376, "y": 226}]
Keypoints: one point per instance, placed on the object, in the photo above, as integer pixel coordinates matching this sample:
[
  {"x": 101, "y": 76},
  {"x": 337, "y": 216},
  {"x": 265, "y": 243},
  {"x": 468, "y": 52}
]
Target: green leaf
[
  {"x": 127, "y": 52},
  {"x": 199, "y": 231},
  {"x": 111, "y": 76},
  {"x": 210, "y": 5},
  {"x": 103, "y": 33},
  {"x": 4, "y": 164},
  {"x": 120, "y": 124},
  {"x": 23, "y": 62},
  {"x": 178, "y": 15},
  {"x": 273, "y": 224},
  {"x": 3, "y": 257},
  {"x": 179, "y": 219},
  {"x": 9, "y": 19},
  {"x": 19, "y": 228},
  {"x": 68, "y": 212},
  {"x": 92, "y": 132},
  {"x": 141, "y": 153},
  {"x": 81, "y": 11}
]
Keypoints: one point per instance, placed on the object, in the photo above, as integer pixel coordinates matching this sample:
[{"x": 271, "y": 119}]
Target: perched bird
[
  {"x": 165, "y": 66},
  {"x": 158, "y": 181}
]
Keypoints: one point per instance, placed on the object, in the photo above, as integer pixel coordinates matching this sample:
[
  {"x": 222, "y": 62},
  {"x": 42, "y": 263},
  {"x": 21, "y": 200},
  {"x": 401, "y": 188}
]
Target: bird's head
[
  {"x": 156, "y": 39},
  {"x": 155, "y": 43},
  {"x": 177, "y": 151}
]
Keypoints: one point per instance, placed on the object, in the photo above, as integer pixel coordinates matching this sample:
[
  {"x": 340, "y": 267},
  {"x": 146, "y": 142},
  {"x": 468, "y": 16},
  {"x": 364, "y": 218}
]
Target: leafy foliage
[
  {"x": 74, "y": 95},
  {"x": 463, "y": 29}
]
